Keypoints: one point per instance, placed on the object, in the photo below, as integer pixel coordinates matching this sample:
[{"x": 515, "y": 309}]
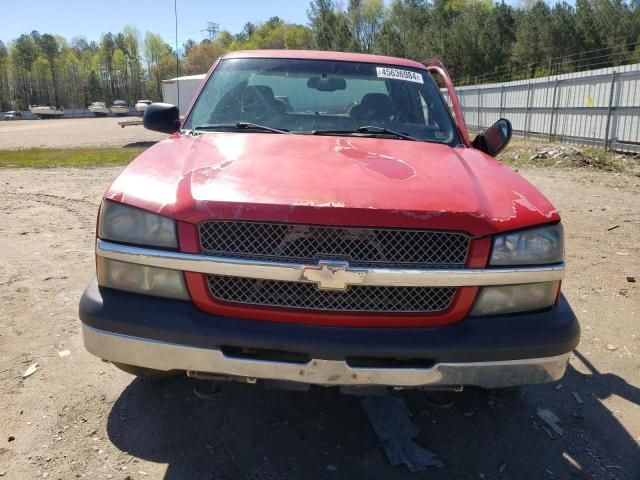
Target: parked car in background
[
  {"x": 141, "y": 106},
  {"x": 99, "y": 109},
  {"x": 120, "y": 107},
  {"x": 13, "y": 115},
  {"x": 323, "y": 218}
]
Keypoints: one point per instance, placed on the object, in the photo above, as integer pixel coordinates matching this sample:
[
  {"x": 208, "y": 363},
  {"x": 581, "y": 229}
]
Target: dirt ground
[
  {"x": 78, "y": 417},
  {"x": 73, "y": 132}
]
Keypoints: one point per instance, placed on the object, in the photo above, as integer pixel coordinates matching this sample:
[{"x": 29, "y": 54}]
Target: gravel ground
[
  {"x": 77, "y": 417},
  {"x": 73, "y": 132}
]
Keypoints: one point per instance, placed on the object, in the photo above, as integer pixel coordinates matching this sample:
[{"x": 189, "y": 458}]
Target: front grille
[
  {"x": 307, "y": 244},
  {"x": 357, "y": 298}
]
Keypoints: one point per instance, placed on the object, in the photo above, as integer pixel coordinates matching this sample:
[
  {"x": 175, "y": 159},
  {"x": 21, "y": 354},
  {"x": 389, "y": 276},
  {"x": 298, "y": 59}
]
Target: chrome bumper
[{"x": 170, "y": 356}]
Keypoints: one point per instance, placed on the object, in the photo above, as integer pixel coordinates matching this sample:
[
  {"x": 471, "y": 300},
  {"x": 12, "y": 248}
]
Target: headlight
[
  {"x": 515, "y": 298},
  {"x": 528, "y": 247},
  {"x": 122, "y": 223},
  {"x": 130, "y": 277}
]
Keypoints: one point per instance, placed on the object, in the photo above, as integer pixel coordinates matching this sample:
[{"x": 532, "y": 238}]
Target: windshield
[{"x": 323, "y": 97}]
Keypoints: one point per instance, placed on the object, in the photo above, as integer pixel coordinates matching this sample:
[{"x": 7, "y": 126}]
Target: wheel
[
  {"x": 146, "y": 373},
  {"x": 439, "y": 398}
]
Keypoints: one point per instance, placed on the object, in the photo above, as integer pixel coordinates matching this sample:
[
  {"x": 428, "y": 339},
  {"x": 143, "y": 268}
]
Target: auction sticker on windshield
[{"x": 397, "y": 74}]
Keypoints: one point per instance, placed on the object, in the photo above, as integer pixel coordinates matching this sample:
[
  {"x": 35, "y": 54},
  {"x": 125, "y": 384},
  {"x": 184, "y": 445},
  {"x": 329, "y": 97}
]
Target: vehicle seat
[
  {"x": 373, "y": 107},
  {"x": 260, "y": 102}
]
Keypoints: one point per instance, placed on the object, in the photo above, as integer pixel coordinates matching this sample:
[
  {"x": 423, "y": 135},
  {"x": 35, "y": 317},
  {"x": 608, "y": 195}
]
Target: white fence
[{"x": 597, "y": 107}]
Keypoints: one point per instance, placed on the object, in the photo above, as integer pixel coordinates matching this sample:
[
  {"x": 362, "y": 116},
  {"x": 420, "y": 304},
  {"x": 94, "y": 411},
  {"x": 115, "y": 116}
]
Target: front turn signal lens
[
  {"x": 515, "y": 298},
  {"x": 134, "y": 278}
]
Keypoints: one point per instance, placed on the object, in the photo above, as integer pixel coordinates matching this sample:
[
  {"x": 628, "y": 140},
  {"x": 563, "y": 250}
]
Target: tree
[
  {"x": 297, "y": 37},
  {"x": 131, "y": 45},
  {"x": 79, "y": 44},
  {"x": 409, "y": 30},
  {"x": 187, "y": 46},
  {"x": 531, "y": 48},
  {"x": 331, "y": 28},
  {"x": 5, "y": 99},
  {"x": 94, "y": 88},
  {"x": 562, "y": 36},
  {"x": 225, "y": 40},
  {"x": 390, "y": 41},
  {"x": 200, "y": 57},
  {"x": 155, "y": 49},
  {"x": 366, "y": 17},
  {"x": 246, "y": 33},
  {"x": 23, "y": 53},
  {"x": 105, "y": 53},
  {"x": 269, "y": 35},
  {"x": 475, "y": 39},
  {"x": 321, "y": 16},
  {"x": 613, "y": 19},
  {"x": 70, "y": 76},
  {"x": 588, "y": 35},
  {"x": 502, "y": 32}
]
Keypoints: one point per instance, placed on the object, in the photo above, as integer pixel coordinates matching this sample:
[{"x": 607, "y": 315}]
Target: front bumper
[{"x": 174, "y": 335}]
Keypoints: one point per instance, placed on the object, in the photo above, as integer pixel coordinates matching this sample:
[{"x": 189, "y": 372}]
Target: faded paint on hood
[{"x": 330, "y": 180}]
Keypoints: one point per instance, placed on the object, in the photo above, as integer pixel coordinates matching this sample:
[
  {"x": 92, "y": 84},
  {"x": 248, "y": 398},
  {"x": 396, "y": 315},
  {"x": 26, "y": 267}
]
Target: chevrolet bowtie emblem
[{"x": 333, "y": 275}]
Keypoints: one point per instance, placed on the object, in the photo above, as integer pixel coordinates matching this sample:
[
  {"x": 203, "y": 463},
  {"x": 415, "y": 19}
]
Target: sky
[{"x": 90, "y": 18}]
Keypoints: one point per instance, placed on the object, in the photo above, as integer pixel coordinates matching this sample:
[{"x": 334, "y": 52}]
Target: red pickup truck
[{"x": 322, "y": 218}]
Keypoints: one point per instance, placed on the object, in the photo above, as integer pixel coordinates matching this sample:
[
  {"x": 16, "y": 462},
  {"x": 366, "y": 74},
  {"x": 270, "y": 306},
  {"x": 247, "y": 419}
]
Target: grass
[
  {"x": 517, "y": 154},
  {"x": 68, "y": 157}
]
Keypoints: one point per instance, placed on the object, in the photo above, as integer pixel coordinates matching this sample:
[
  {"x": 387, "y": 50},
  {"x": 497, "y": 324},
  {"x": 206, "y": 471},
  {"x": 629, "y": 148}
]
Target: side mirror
[
  {"x": 161, "y": 117},
  {"x": 495, "y": 138}
]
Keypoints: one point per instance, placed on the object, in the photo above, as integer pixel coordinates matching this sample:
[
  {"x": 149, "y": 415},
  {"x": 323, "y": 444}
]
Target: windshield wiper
[
  {"x": 239, "y": 126},
  {"x": 370, "y": 130}
]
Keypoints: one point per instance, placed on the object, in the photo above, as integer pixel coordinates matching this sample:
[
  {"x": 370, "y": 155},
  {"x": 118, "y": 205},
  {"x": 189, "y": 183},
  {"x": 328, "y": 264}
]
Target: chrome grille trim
[
  {"x": 307, "y": 244},
  {"x": 357, "y": 298},
  {"x": 191, "y": 262}
]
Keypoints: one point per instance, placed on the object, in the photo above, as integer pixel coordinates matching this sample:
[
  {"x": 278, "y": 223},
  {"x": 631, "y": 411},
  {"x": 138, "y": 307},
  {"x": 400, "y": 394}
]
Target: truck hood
[{"x": 338, "y": 180}]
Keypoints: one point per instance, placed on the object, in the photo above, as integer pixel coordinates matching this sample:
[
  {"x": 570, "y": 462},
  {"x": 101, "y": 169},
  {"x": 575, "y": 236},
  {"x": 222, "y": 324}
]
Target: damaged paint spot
[
  {"x": 331, "y": 204},
  {"x": 524, "y": 202},
  {"x": 421, "y": 216},
  {"x": 385, "y": 165},
  {"x": 311, "y": 203}
]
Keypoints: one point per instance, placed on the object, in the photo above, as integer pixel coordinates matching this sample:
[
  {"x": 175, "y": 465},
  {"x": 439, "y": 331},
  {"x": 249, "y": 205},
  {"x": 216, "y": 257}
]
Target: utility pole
[{"x": 212, "y": 29}]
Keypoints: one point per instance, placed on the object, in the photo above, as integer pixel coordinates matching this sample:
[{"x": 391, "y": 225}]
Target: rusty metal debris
[
  {"x": 551, "y": 421},
  {"x": 390, "y": 419}
]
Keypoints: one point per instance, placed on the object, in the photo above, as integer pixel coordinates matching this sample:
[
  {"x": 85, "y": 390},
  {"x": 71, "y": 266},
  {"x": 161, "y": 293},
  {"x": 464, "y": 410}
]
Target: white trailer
[{"x": 187, "y": 85}]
